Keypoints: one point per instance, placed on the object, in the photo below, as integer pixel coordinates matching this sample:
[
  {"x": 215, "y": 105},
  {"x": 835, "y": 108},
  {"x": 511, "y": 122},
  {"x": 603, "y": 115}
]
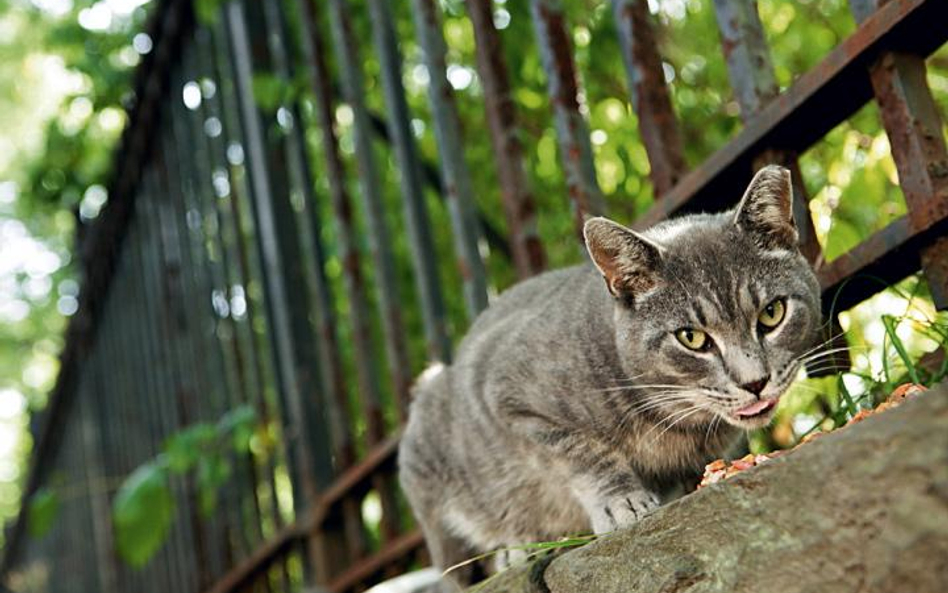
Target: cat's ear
[
  {"x": 766, "y": 210},
  {"x": 628, "y": 261}
]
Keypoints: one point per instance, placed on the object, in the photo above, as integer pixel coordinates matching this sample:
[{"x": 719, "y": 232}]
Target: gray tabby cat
[{"x": 577, "y": 405}]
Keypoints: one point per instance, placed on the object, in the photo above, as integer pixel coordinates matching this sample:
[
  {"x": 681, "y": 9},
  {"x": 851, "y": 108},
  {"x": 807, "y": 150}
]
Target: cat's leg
[
  {"x": 603, "y": 483},
  {"x": 614, "y": 502},
  {"x": 447, "y": 553}
]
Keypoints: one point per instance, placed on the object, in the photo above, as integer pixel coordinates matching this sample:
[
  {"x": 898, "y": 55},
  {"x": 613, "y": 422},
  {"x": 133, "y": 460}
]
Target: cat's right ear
[{"x": 628, "y": 261}]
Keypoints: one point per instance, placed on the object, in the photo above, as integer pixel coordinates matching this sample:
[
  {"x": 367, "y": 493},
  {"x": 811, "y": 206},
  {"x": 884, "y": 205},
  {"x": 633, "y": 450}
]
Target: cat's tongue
[{"x": 756, "y": 408}]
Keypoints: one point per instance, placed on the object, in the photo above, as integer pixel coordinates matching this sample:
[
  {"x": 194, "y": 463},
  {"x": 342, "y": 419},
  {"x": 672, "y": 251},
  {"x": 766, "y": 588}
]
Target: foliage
[
  {"x": 63, "y": 86},
  {"x": 142, "y": 513},
  {"x": 143, "y": 510},
  {"x": 43, "y": 509}
]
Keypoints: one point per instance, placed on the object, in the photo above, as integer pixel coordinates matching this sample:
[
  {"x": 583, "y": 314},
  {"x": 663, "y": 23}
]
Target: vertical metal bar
[
  {"x": 97, "y": 473},
  {"x": 209, "y": 325},
  {"x": 650, "y": 97},
  {"x": 287, "y": 305},
  {"x": 367, "y": 373},
  {"x": 340, "y": 541},
  {"x": 413, "y": 195},
  {"x": 519, "y": 206},
  {"x": 380, "y": 242},
  {"x": 312, "y": 47},
  {"x": 752, "y": 79},
  {"x": 248, "y": 263},
  {"x": 458, "y": 189},
  {"x": 144, "y": 410},
  {"x": 747, "y": 55},
  {"x": 916, "y": 134},
  {"x": 188, "y": 381},
  {"x": 385, "y": 486},
  {"x": 248, "y": 389},
  {"x": 556, "y": 54}
]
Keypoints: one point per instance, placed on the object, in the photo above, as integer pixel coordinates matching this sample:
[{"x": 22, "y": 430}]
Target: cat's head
[{"x": 713, "y": 311}]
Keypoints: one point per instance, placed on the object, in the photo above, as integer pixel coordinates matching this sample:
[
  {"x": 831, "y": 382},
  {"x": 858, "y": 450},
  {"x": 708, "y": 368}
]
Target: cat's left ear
[{"x": 766, "y": 210}]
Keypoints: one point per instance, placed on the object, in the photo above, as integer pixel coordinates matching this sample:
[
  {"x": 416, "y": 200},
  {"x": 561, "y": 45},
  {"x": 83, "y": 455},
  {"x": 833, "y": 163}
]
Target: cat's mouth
[{"x": 755, "y": 412}]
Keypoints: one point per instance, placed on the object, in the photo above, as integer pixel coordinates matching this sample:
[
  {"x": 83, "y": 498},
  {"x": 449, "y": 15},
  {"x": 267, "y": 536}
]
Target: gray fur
[{"x": 554, "y": 418}]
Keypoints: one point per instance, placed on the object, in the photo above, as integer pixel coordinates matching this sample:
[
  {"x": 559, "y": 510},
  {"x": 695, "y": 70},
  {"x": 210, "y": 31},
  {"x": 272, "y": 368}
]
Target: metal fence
[{"x": 206, "y": 286}]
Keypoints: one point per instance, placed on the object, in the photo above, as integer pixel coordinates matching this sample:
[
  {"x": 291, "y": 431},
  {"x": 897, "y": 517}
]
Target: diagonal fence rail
[{"x": 248, "y": 256}]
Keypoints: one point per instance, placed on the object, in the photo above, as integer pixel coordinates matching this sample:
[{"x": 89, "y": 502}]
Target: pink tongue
[{"x": 756, "y": 408}]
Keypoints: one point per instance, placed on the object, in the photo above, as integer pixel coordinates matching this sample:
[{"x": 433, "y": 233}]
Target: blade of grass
[
  {"x": 847, "y": 398},
  {"x": 890, "y": 326}
]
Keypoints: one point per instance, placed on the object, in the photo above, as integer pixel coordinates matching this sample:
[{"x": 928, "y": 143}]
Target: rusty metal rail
[{"x": 247, "y": 255}]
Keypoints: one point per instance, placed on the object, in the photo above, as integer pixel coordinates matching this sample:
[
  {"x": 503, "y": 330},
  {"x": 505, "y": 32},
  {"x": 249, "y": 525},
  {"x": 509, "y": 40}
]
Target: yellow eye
[
  {"x": 693, "y": 339},
  {"x": 772, "y": 314}
]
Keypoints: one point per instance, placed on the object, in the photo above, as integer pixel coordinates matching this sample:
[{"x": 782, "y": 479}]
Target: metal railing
[{"x": 209, "y": 279}]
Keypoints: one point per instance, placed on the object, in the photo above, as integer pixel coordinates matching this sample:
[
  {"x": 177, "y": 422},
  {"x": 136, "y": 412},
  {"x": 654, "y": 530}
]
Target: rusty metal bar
[
  {"x": 347, "y": 55},
  {"x": 334, "y": 550},
  {"x": 650, "y": 97},
  {"x": 375, "y": 564},
  {"x": 916, "y": 135},
  {"x": 229, "y": 176},
  {"x": 312, "y": 47},
  {"x": 274, "y": 220},
  {"x": 191, "y": 130},
  {"x": 519, "y": 207},
  {"x": 815, "y": 104},
  {"x": 206, "y": 259},
  {"x": 556, "y": 54},
  {"x": 413, "y": 196},
  {"x": 355, "y": 479},
  {"x": 367, "y": 373},
  {"x": 458, "y": 189},
  {"x": 755, "y": 86},
  {"x": 886, "y": 257}
]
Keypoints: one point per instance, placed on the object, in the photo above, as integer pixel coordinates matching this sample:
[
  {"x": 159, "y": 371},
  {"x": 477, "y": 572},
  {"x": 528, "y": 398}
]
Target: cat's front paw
[{"x": 622, "y": 511}]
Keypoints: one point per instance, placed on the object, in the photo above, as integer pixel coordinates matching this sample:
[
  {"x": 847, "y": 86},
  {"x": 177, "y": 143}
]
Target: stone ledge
[{"x": 862, "y": 509}]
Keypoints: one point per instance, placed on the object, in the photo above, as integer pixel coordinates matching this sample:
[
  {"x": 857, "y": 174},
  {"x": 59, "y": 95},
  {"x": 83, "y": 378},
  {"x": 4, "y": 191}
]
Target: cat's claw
[{"x": 622, "y": 511}]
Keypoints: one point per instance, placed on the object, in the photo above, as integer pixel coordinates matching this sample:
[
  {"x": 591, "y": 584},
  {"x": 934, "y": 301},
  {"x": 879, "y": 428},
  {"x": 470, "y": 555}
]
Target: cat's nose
[{"x": 755, "y": 387}]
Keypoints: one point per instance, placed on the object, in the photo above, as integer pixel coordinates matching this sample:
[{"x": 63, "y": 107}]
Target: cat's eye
[
  {"x": 771, "y": 316},
  {"x": 693, "y": 339}
]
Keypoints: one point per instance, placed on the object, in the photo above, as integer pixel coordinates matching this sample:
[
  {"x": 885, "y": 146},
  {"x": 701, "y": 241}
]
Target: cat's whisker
[
  {"x": 674, "y": 416},
  {"x": 823, "y": 344},
  {"x": 711, "y": 426},
  {"x": 680, "y": 419},
  {"x": 850, "y": 348}
]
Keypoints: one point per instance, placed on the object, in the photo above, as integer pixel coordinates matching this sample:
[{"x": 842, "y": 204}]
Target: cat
[{"x": 582, "y": 397}]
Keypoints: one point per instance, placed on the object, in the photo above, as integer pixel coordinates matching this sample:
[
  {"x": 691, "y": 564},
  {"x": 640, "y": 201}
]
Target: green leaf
[
  {"x": 239, "y": 423},
  {"x": 268, "y": 90},
  {"x": 212, "y": 472},
  {"x": 184, "y": 448},
  {"x": 207, "y": 11},
  {"x": 43, "y": 510},
  {"x": 142, "y": 513}
]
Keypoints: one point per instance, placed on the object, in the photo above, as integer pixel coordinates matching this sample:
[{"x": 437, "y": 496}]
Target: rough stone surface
[{"x": 862, "y": 509}]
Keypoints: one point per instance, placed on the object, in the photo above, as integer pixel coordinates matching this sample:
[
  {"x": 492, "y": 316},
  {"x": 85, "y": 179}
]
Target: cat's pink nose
[{"x": 755, "y": 387}]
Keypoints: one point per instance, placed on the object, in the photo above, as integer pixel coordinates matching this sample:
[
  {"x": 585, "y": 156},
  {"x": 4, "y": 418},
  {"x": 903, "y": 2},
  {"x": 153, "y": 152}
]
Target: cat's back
[{"x": 533, "y": 305}]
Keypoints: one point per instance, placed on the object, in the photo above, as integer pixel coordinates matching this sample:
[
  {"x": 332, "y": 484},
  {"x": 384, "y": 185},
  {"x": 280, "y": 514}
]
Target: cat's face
[{"x": 713, "y": 312}]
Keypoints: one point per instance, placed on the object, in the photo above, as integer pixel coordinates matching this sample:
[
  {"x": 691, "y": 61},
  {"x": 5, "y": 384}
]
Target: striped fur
[{"x": 555, "y": 419}]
